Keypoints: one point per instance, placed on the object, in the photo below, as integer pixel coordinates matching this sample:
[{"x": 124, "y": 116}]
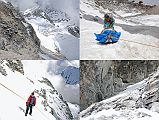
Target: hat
[{"x": 106, "y": 16}]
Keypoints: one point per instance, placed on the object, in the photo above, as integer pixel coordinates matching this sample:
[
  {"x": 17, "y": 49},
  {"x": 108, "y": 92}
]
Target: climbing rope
[
  {"x": 140, "y": 43},
  {"x": 22, "y": 99},
  {"x": 12, "y": 91}
]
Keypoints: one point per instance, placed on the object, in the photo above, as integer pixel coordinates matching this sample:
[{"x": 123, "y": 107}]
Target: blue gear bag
[{"x": 104, "y": 36}]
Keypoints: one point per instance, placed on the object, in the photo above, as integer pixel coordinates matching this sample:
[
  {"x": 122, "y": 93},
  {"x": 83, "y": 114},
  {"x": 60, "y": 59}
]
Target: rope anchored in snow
[
  {"x": 140, "y": 43},
  {"x": 12, "y": 91},
  {"x": 22, "y": 99}
]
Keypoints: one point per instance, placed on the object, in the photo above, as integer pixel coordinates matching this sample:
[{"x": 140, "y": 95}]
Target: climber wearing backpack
[{"x": 30, "y": 103}]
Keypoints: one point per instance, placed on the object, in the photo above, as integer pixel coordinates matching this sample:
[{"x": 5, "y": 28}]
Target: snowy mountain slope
[
  {"x": 53, "y": 29},
  {"x": 27, "y": 76},
  {"x": 137, "y": 102},
  {"x": 56, "y": 25},
  {"x": 50, "y": 27},
  {"x": 133, "y": 30}
]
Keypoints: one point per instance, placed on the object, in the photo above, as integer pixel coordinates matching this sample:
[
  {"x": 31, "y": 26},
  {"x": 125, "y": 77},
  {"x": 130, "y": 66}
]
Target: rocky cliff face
[
  {"x": 138, "y": 101},
  {"x": 17, "y": 38},
  {"x": 123, "y": 4},
  {"x": 103, "y": 79}
]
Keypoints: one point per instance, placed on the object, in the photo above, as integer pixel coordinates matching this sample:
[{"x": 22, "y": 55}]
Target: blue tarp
[{"x": 104, "y": 36}]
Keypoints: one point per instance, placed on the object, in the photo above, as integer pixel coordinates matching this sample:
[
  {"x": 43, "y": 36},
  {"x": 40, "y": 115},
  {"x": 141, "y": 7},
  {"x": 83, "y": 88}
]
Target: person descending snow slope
[
  {"x": 30, "y": 103},
  {"x": 108, "y": 35}
]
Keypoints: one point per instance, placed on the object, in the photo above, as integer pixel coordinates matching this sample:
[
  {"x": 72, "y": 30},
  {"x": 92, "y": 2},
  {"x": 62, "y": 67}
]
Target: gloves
[{"x": 27, "y": 103}]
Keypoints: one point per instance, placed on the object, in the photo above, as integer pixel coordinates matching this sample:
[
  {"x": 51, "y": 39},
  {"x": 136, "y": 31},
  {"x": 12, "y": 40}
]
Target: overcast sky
[
  {"x": 71, "y": 7},
  {"x": 152, "y": 2}
]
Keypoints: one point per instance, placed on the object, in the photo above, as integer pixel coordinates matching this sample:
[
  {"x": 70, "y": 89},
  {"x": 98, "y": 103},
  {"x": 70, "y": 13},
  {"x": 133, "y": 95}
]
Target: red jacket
[{"x": 29, "y": 100}]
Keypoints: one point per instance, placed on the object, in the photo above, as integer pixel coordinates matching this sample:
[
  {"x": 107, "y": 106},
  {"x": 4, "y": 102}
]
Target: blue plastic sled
[{"x": 103, "y": 38}]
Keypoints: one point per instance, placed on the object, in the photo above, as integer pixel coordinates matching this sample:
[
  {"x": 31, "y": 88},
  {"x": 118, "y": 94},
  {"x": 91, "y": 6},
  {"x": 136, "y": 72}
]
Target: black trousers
[{"x": 27, "y": 109}]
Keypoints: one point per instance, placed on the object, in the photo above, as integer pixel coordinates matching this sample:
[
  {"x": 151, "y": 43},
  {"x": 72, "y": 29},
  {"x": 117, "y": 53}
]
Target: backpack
[{"x": 32, "y": 100}]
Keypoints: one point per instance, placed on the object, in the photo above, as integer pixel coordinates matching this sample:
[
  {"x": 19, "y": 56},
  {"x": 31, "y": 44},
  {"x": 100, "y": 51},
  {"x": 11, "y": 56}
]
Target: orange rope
[{"x": 139, "y": 43}]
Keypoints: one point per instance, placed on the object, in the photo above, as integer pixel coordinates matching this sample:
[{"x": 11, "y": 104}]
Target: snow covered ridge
[
  {"x": 138, "y": 102},
  {"x": 19, "y": 78},
  {"x": 4, "y": 1}
]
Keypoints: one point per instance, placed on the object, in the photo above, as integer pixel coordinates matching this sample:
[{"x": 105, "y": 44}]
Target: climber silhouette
[{"x": 30, "y": 103}]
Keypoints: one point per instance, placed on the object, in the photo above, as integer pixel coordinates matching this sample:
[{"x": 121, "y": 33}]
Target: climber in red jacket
[{"x": 30, "y": 103}]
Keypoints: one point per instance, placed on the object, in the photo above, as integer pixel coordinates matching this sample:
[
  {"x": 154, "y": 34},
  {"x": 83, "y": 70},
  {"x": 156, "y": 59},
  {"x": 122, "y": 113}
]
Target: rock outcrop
[
  {"x": 17, "y": 38},
  {"x": 124, "y": 4},
  {"x": 54, "y": 100},
  {"x": 14, "y": 65},
  {"x": 103, "y": 79}
]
